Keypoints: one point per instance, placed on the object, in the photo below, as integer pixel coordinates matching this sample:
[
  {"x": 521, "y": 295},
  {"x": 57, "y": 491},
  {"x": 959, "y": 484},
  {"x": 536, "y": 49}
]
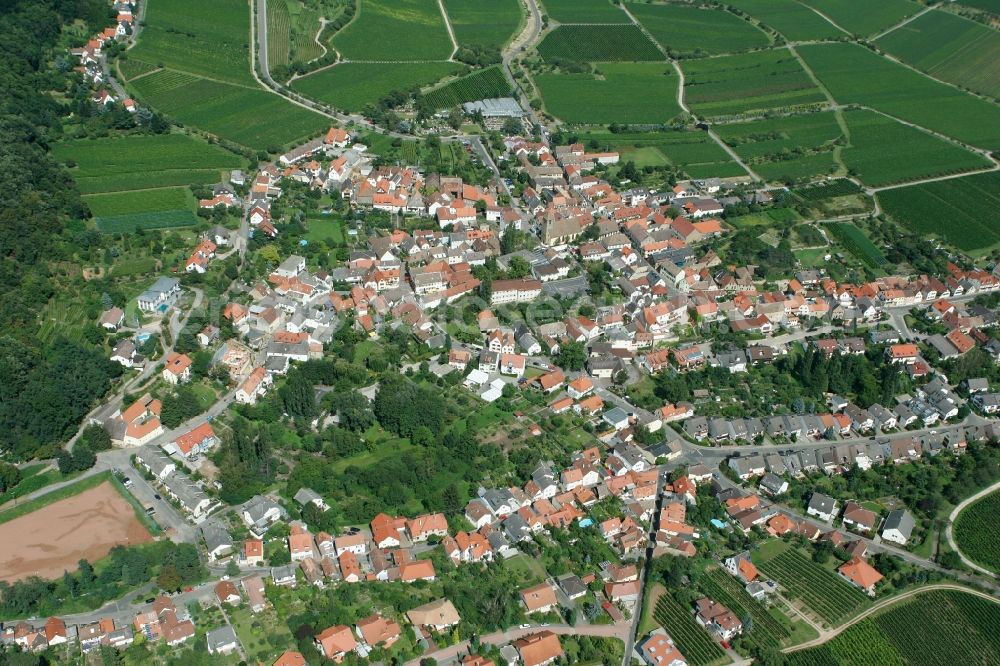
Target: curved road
[{"x": 951, "y": 521}]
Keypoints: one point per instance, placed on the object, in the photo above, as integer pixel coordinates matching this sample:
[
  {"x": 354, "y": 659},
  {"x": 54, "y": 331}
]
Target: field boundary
[{"x": 54, "y": 496}]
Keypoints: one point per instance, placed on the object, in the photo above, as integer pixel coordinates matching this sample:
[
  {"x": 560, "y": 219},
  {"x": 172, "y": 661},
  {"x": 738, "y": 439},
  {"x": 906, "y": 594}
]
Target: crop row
[
  {"x": 128, "y": 223},
  {"x": 821, "y": 590},
  {"x": 484, "y": 84},
  {"x": 724, "y": 589},
  {"x": 692, "y": 640},
  {"x": 977, "y": 533},
  {"x": 598, "y": 43},
  {"x": 855, "y": 242},
  {"x": 834, "y": 188}
]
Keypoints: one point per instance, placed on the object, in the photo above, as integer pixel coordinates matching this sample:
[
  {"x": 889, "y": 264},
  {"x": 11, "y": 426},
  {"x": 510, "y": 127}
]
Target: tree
[
  {"x": 232, "y": 569},
  {"x": 10, "y": 476},
  {"x": 83, "y": 457},
  {"x": 455, "y": 118},
  {"x": 169, "y": 580},
  {"x": 572, "y": 356},
  {"x": 298, "y": 396},
  {"x": 95, "y": 437}
]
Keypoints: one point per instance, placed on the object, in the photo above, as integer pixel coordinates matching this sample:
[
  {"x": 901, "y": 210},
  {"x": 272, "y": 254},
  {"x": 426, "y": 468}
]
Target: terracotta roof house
[
  {"x": 336, "y": 642},
  {"x": 417, "y": 570},
  {"x": 540, "y": 598},
  {"x": 437, "y": 615},
  {"x": 860, "y": 574},
  {"x": 227, "y": 593},
  {"x": 539, "y": 649},
  {"x": 376, "y": 630},
  {"x": 290, "y": 658}
]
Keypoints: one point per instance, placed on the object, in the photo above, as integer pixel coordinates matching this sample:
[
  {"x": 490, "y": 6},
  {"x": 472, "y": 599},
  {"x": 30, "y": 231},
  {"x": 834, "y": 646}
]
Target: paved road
[
  {"x": 519, "y": 45},
  {"x": 951, "y": 522}
]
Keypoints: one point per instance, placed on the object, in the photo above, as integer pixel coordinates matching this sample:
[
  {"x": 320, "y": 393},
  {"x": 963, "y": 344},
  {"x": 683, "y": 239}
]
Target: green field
[
  {"x": 884, "y": 152},
  {"x": 857, "y": 243},
  {"x": 481, "y": 84},
  {"x": 305, "y": 26},
  {"x": 124, "y": 212},
  {"x": 689, "y": 30},
  {"x": 977, "y": 532},
  {"x": 583, "y": 11},
  {"x": 786, "y": 148},
  {"x": 695, "y": 152},
  {"x": 629, "y": 93},
  {"x": 864, "y": 17},
  {"x": 490, "y": 23},
  {"x": 936, "y": 628},
  {"x": 279, "y": 33},
  {"x": 350, "y": 86},
  {"x": 792, "y": 19},
  {"x": 903, "y": 93},
  {"x": 144, "y": 161},
  {"x": 400, "y": 30},
  {"x": 961, "y": 211},
  {"x": 992, "y": 6},
  {"x": 598, "y": 43},
  {"x": 950, "y": 48},
  {"x": 694, "y": 642},
  {"x": 825, "y": 593},
  {"x": 834, "y": 188},
  {"x": 207, "y": 81},
  {"x": 133, "y": 68},
  {"x": 747, "y": 83}
]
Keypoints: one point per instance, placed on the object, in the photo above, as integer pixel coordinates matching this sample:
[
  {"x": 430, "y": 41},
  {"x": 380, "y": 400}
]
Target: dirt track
[{"x": 53, "y": 539}]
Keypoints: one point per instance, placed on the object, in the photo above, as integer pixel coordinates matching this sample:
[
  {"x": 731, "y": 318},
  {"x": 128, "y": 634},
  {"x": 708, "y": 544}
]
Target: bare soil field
[{"x": 53, "y": 539}]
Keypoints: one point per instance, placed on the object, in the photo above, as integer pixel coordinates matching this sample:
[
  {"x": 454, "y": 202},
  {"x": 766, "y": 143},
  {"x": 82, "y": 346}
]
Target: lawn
[
  {"x": 885, "y": 152},
  {"x": 32, "y": 479},
  {"x": 977, "y": 533},
  {"x": 325, "y": 228},
  {"x": 530, "y": 568},
  {"x": 482, "y": 84},
  {"x": 207, "y": 82},
  {"x": 400, "y": 30},
  {"x": 583, "y": 11},
  {"x": 598, "y": 43},
  {"x": 902, "y": 93},
  {"x": 864, "y": 17},
  {"x": 630, "y": 93},
  {"x": 691, "y": 30},
  {"x": 748, "y": 83},
  {"x": 351, "y": 86},
  {"x": 489, "y": 23},
  {"x": 961, "y": 211},
  {"x": 792, "y": 19},
  {"x": 950, "y": 48},
  {"x": 115, "y": 164},
  {"x": 263, "y": 636}
]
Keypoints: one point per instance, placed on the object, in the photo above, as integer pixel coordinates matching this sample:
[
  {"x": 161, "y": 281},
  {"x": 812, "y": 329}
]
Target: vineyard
[
  {"x": 862, "y": 17},
  {"x": 977, "y": 533},
  {"x": 696, "y": 644},
  {"x": 971, "y": 204},
  {"x": 690, "y": 30},
  {"x": 694, "y": 151},
  {"x": 131, "y": 68},
  {"x": 352, "y": 85},
  {"x": 787, "y": 148},
  {"x": 598, "y": 43},
  {"x": 937, "y": 628},
  {"x": 279, "y": 32},
  {"x": 130, "y": 222},
  {"x": 722, "y": 587},
  {"x": 831, "y": 598},
  {"x": 584, "y": 11},
  {"x": 629, "y": 93},
  {"x": 484, "y": 84},
  {"x": 490, "y": 23},
  {"x": 398, "y": 30},
  {"x": 840, "y": 187},
  {"x": 792, "y": 19},
  {"x": 855, "y": 242}
]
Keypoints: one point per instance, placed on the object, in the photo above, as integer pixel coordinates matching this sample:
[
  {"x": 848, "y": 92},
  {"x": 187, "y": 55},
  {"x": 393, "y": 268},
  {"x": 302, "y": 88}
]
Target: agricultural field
[
  {"x": 206, "y": 81},
  {"x": 903, "y": 93},
  {"x": 482, "y": 84},
  {"x": 767, "y": 630},
  {"x": 634, "y": 93},
  {"x": 950, "y": 48},
  {"x": 936, "y": 628},
  {"x": 350, "y": 86},
  {"x": 694, "y": 642},
  {"x": 885, "y": 152},
  {"x": 490, "y": 23},
  {"x": 124, "y": 212},
  {"x": 400, "y": 30},
  {"x": 977, "y": 532},
  {"x": 132, "y": 68},
  {"x": 305, "y": 26},
  {"x": 279, "y": 33},
  {"x": 747, "y": 83},
  {"x": 831, "y": 598},
  {"x": 798, "y": 168},
  {"x": 694, "y": 152},
  {"x": 855, "y": 242},
  {"x": 992, "y": 6},
  {"x": 598, "y": 43},
  {"x": 792, "y": 19},
  {"x": 961, "y": 211},
  {"x": 830, "y": 190},
  {"x": 689, "y": 30},
  {"x": 863, "y": 17},
  {"x": 787, "y": 148},
  {"x": 583, "y": 11},
  {"x": 144, "y": 161}
]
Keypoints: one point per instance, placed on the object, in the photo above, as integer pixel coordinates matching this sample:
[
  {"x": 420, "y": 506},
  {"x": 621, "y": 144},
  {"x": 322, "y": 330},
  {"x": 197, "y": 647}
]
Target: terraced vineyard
[
  {"x": 696, "y": 644},
  {"x": 723, "y": 588},
  {"x": 937, "y": 628},
  {"x": 483, "y": 84},
  {"x": 831, "y": 598},
  {"x": 598, "y": 43},
  {"x": 977, "y": 533}
]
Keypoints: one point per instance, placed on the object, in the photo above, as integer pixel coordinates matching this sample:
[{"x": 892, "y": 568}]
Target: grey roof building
[{"x": 898, "y": 526}]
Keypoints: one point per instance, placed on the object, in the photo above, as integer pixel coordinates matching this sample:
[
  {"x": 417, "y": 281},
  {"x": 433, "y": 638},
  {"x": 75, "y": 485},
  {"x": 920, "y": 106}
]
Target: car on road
[
  {"x": 157, "y": 496},
  {"x": 524, "y": 626},
  {"x": 127, "y": 482},
  {"x": 150, "y": 510}
]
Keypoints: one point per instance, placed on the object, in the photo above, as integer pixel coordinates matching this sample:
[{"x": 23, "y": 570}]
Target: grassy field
[
  {"x": 885, "y": 152},
  {"x": 689, "y": 30},
  {"x": 630, "y": 93},
  {"x": 144, "y": 161},
  {"x": 936, "y": 628},
  {"x": 400, "y": 30},
  {"x": 32, "y": 479},
  {"x": 279, "y": 33},
  {"x": 863, "y": 17},
  {"x": 490, "y": 23},
  {"x": 350, "y": 86},
  {"x": 598, "y": 43},
  {"x": 207, "y": 82},
  {"x": 481, "y": 84},
  {"x": 903, "y": 93},
  {"x": 138, "y": 201},
  {"x": 961, "y": 211},
  {"x": 977, "y": 533},
  {"x": 583, "y": 11},
  {"x": 694, "y": 152},
  {"x": 694, "y": 642},
  {"x": 830, "y": 597},
  {"x": 950, "y": 48},
  {"x": 792, "y": 19},
  {"x": 747, "y": 83}
]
